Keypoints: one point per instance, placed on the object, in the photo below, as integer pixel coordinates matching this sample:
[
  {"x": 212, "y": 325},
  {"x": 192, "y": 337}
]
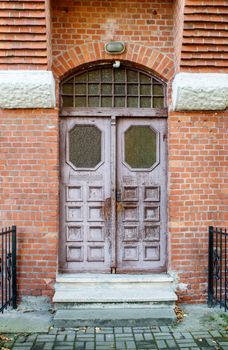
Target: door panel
[
  {"x": 85, "y": 241},
  {"x": 141, "y": 195}
]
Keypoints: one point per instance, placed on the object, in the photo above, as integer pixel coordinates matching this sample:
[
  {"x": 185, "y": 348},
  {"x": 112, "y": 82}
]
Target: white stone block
[
  {"x": 200, "y": 91},
  {"x": 26, "y": 89}
]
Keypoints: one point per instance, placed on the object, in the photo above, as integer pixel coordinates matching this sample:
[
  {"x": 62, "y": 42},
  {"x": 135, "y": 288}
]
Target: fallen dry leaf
[
  {"x": 4, "y": 338},
  {"x": 179, "y": 313}
]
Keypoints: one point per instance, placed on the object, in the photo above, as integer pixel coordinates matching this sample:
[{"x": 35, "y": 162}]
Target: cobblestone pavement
[{"x": 121, "y": 338}]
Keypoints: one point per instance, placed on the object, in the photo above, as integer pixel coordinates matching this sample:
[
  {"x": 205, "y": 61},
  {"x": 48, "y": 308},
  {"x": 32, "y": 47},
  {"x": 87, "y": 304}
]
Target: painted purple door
[
  {"x": 141, "y": 195},
  {"x": 113, "y": 194},
  {"x": 85, "y": 240}
]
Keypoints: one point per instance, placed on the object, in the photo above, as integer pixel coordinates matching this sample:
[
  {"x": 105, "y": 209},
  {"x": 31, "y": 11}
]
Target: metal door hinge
[{"x": 164, "y": 137}]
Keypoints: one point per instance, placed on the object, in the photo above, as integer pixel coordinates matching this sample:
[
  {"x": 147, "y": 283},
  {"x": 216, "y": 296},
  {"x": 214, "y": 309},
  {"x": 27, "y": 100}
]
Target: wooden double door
[{"x": 113, "y": 195}]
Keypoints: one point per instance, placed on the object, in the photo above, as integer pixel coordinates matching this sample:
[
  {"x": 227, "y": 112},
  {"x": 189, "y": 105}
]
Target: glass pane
[
  {"x": 119, "y": 101},
  {"x": 68, "y": 89},
  {"x": 119, "y": 75},
  {"x": 119, "y": 89},
  {"x": 85, "y": 146},
  {"x": 80, "y": 101},
  {"x": 94, "y": 76},
  {"x": 106, "y": 89},
  {"x": 158, "y": 90},
  {"x": 132, "y": 76},
  {"x": 144, "y": 78},
  {"x": 94, "y": 89},
  {"x": 80, "y": 89},
  {"x": 140, "y": 147},
  {"x": 68, "y": 101},
  {"x": 93, "y": 101},
  {"x": 145, "y": 90},
  {"x": 81, "y": 78},
  {"x": 158, "y": 102},
  {"x": 106, "y": 101},
  {"x": 145, "y": 102},
  {"x": 106, "y": 75},
  {"x": 132, "y": 89},
  {"x": 132, "y": 102}
]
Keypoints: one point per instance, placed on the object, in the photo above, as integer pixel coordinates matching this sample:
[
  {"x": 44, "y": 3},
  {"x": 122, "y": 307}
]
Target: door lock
[{"x": 118, "y": 196}]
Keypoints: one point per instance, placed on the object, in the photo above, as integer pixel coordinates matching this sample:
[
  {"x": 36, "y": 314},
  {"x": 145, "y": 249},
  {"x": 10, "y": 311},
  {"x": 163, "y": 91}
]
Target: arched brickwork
[{"x": 159, "y": 63}]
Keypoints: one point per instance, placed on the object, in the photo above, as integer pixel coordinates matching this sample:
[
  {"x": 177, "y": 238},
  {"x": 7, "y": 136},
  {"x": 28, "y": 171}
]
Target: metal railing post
[
  {"x": 14, "y": 267},
  {"x": 210, "y": 265}
]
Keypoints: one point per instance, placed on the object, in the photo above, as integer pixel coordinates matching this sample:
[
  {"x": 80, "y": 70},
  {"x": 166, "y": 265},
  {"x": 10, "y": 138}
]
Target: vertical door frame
[{"x": 113, "y": 162}]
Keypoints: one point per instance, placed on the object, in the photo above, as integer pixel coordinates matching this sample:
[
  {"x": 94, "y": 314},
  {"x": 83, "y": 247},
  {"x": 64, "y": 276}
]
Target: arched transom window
[{"x": 113, "y": 87}]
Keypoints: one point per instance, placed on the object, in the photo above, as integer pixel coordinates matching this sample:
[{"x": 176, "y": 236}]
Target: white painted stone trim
[
  {"x": 200, "y": 91},
  {"x": 27, "y": 89}
]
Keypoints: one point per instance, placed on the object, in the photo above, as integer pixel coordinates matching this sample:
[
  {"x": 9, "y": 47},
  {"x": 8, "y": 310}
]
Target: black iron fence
[
  {"x": 8, "y": 279},
  {"x": 218, "y": 268}
]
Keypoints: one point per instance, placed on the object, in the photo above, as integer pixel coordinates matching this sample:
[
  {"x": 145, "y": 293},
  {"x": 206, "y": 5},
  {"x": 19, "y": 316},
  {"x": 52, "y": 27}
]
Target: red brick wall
[
  {"x": 136, "y": 21},
  {"x": 178, "y": 20},
  {"x": 197, "y": 141},
  {"x": 77, "y": 58},
  {"x": 29, "y": 193},
  {"x": 205, "y": 36},
  {"x": 25, "y": 40},
  {"x": 198, "y": 193},
  {"x": 23, "y": 34}
]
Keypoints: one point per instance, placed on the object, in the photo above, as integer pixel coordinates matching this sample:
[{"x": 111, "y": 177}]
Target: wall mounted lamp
[{"x": 115, "y": 47}]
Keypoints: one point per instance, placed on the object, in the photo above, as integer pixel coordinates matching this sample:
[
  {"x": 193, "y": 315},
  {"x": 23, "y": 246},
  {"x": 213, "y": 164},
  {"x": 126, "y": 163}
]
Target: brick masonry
[
  {"x": 204, "y": 42},
  {"x": 146, "y": 22},
  {"x": 198, "y": 185},
  {"x": 23, "y": 34},
  {"x": 178, "y": 25},
  {"x": 29, "y": 193},
  {"x": 162, "y": 36}
]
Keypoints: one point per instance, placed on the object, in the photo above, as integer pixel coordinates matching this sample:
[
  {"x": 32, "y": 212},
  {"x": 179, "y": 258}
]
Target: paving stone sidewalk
[
  {"x": 202, "y": 328},
  {"x": 120, "y": 338}
]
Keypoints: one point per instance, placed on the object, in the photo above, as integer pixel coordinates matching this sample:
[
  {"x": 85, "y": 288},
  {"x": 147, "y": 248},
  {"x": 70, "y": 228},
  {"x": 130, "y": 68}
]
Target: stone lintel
[
  {"x": 200, "y": 91},
  {"x": 27, "y": 89}
]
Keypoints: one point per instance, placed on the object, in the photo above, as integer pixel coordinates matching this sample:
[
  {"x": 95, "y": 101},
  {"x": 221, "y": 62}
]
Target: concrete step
[
  {"x": 68, "y": 282},
  {"x": 115, "y": 317},
  {"x": 98, "y": 288},
  {"x": 74, "y": 279},
  {"x": 113, "y": 295}
]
